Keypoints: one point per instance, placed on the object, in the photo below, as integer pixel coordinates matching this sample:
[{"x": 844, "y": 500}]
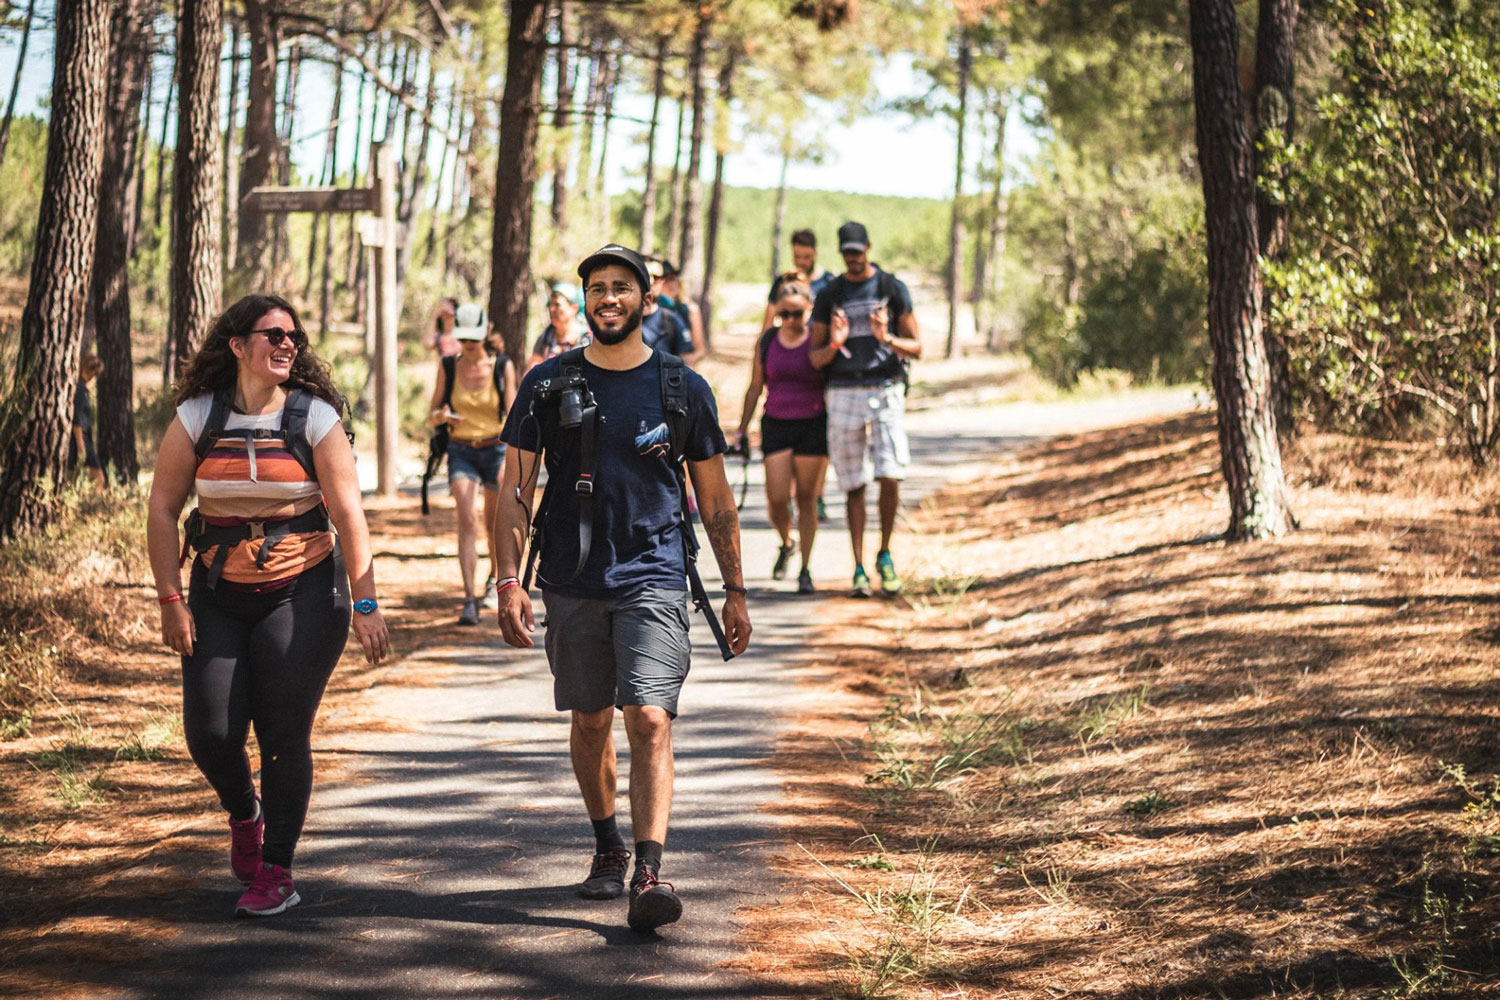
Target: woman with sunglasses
[
  {"x": 794, "y": 429},
  {"x": 268, "y": 609}
]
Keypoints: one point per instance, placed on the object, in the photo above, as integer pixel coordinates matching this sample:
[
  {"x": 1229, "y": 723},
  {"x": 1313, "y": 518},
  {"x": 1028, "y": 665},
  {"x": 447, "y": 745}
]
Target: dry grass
[{"x": 1128, "y": 760}]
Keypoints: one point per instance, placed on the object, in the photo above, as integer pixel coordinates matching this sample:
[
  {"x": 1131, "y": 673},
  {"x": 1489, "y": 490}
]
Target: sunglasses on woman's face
[
  {"x": 275, "y": 336},
  {"x": 790, "y": 314}
]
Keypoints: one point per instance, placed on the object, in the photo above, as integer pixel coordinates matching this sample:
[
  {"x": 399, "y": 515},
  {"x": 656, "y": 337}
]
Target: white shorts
[{"x": 867, "y": 433}]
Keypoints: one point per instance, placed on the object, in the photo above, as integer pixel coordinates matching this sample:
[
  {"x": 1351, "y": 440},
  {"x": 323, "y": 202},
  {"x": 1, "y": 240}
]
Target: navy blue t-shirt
[
  {"x": 637, "y": 539},
  {"x": 663, "y": 331},
  {"x": 868, "y": 361}
]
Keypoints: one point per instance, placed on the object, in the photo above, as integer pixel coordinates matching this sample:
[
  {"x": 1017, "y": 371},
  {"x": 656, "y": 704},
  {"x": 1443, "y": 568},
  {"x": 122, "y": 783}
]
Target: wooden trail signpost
[{"x": 378, "y": 233}]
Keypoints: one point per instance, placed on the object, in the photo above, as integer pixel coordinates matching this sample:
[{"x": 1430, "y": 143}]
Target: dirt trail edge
[{"x": 441, "y": 861}]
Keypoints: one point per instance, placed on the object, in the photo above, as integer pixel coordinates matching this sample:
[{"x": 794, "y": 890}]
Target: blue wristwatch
[{"x": 365, "y": 606}]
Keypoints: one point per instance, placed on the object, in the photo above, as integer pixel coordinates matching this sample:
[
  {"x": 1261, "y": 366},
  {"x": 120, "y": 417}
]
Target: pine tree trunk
[
  {"x": 591, "y": 113},
  {"x": 956, "y": 225},
  {"x": 515, "y": 174},
  {"x": 611, "y": 82},
  {"x": 429, "y": 254},
  {"x": 674, "y": 207},
  {"x": 281, "y": 245},
  {"x": 15, "y": 84},
  {"x": 140, "y": 155},
  {"x": 562, "y": 121},
  {"x": 691, "y": 253},
  {"x": 228, "y": 158},
  {"x": 778, "y": 222},
  {"x": 716, "y": 196},
  {"x": 418, "y": 174},
  {"x": 326, "y": 175},
  {"x": 109, "y": 290},
  {"x": 35, "y": 447},
  {"x": 161, "y": 153},
  {"x": 998, "y": 219},
  {"x": 648, "y": 197},
  {"x": 1249, "y": 453},
  {"x": 197, "y": 263},
  {"x": 330, "y": 177},
  {"x": 1275, "y": 116},
  {"x": 259, "y": 145},
  {"x": 351, "y": 252},
  {"x": 457, "y": 189}
]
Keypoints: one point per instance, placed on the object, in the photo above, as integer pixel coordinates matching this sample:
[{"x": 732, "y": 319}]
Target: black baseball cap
[
  {"x": 613, "y": 253},
  {"x": 852, "y": 236}
]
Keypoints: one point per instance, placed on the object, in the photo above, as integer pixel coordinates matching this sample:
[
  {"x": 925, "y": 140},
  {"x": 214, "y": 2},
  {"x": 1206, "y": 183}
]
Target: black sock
[
  {"x": 648, "y": 852},
  {"x": 606, "y": 834}
]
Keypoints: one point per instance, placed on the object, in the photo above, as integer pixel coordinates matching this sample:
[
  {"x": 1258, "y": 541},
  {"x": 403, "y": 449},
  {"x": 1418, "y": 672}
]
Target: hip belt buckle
[{"x": 257, "y": 529}]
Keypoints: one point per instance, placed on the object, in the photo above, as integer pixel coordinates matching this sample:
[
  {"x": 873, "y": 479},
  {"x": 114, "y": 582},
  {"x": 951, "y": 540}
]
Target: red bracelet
[
  {"x": 506, "y": 584},
  {"x": 170, "y": 598}
]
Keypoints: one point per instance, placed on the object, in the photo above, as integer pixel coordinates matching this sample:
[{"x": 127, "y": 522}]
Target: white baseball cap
[{"x": 470, "y": 322}]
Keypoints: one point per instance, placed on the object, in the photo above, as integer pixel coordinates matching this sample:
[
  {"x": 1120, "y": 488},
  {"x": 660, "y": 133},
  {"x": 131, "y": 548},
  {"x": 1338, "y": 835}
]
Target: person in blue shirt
[{"x": 617, "y": 625}]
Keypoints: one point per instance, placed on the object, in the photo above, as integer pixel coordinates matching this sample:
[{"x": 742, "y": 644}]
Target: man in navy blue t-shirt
[
  {"x": 617, "y": 625},
  {"x": 863, "y": 334}
]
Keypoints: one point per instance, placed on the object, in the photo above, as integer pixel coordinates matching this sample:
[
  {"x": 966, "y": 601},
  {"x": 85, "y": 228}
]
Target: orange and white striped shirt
[{"x": 245, "y": 479}]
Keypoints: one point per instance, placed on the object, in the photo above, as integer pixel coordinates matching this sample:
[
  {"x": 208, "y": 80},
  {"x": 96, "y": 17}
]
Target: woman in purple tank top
[{"x": 794, "y": 429}]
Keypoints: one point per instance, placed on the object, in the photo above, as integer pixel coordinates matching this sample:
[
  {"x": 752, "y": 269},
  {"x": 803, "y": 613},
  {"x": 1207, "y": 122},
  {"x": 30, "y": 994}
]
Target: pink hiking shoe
[
  {"x": 244, "y": 845},
  {"x": 271, "y": 892}
]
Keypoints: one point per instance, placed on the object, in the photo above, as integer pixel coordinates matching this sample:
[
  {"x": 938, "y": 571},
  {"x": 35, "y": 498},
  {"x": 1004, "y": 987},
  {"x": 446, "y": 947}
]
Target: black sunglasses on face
[
  {"x": 275, "y": 336},
  {"x": 790, "y": 313}
]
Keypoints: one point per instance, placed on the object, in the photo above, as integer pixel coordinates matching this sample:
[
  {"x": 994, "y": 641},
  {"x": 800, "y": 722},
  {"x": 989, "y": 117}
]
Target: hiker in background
[
  {"x": 805, "y": 264},
  {"x": 439, "y": 336},
  {"x": 794, "y": 429},
  {"x": 616, "y": 593},
  {"x": 257, "y": 436},
  {"x": 566, "y": 328},
  {"x": 471, "y": 395},
  {"x": 664, "y": 329},
  {"x": 669, "y": 296},
  {"x": 81, "y": 435},
  {"x": 864, "y": 333}
]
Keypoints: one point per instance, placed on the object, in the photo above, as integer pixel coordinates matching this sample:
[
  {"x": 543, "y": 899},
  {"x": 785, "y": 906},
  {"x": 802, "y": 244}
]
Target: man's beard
[{"x": 609, "y": 338}]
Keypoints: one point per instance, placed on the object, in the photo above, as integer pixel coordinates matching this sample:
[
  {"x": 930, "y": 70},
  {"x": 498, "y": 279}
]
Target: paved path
[{"x": 442, "y": 863}]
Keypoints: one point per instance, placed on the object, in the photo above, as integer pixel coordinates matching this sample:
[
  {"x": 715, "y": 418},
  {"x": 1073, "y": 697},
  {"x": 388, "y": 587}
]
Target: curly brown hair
[{"x": 215, "y": 367}]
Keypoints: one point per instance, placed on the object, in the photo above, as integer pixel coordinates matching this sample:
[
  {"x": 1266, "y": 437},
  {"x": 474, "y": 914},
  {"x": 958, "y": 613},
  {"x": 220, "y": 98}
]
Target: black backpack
[
  {"x": 674, "y": 405},
  {"x": 437, "y": 444},
  {"x": 292, "y": 429}
]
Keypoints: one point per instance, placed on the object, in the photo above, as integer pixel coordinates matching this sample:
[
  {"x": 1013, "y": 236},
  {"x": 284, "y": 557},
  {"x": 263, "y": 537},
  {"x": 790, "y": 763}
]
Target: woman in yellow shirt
[{"x": 483, "y": 385}]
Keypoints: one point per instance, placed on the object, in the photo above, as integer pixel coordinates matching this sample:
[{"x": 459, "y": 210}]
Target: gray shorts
[{"x": 619, "y": 651}]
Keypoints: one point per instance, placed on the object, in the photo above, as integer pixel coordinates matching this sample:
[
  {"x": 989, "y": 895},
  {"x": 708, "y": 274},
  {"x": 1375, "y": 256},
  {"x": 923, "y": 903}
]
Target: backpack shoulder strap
[
  {"x": 294, "y": 429},
  {"x": 763, "y": 347},
  {"x": 213, "y": 428},
  {"x": 674, "y": 403},
  {"x": 497, "y": 376},
  {"x": 450, "y": 372},
  {"x": 572, "y": 358}
]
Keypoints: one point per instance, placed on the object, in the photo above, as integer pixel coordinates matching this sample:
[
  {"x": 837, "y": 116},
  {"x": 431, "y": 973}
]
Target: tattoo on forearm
[{"x": 724, "y": 535}]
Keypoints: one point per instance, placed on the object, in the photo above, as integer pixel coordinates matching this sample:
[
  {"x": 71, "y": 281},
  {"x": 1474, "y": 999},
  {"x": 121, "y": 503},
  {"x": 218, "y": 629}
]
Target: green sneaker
[
  {"x": 890, "y": 581},
  {"x": 861, "y": 583}
]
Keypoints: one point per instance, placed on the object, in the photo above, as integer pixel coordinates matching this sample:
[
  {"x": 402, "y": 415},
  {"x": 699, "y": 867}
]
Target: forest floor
[
  {"x": 1101, "y": 753},
  {"x": 1094, "y": 751}
]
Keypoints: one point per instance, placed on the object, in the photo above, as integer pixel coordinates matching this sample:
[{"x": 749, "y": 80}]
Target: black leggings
[{"x": 263, "y": 659}]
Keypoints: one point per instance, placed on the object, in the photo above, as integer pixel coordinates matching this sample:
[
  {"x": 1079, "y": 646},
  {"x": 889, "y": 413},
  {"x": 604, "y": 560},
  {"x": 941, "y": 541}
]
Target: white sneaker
[{"x": 491, "y": 600}]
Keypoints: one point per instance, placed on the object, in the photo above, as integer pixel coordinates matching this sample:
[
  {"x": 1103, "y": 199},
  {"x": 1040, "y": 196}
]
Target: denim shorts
[
  {"x": 630, "y": 650},
  {"x": 482, "y": 465}
]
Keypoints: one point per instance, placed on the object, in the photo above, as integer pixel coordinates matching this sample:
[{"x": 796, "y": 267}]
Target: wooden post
[{"x": 387, "y": 315}]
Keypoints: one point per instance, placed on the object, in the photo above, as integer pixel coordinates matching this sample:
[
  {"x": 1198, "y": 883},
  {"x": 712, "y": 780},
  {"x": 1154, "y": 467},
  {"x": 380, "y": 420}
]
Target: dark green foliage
[
  {"x": 1389, "y": 296},
  {"x": 1146, "y": 316},
  {"x": 21, "y": 185}
]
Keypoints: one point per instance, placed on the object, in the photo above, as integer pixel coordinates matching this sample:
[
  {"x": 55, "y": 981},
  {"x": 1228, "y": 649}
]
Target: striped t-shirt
[{"x": 243, "y": 479}]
